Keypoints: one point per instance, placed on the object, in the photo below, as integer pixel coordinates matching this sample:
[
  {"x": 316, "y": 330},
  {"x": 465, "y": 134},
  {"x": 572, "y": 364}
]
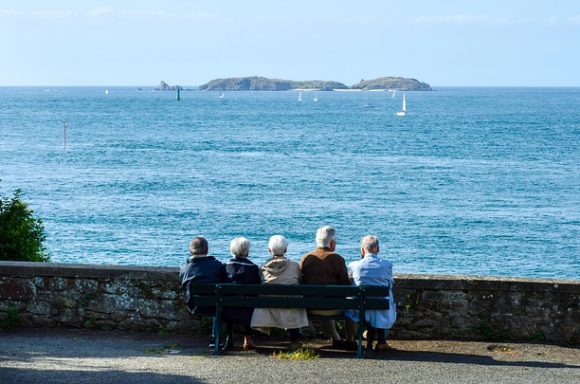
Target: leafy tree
[{"x": 21, "y": 234}]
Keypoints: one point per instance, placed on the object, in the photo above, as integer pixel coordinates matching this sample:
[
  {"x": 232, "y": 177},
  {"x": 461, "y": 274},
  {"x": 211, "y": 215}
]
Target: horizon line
[{"x": 191, "y": 85}]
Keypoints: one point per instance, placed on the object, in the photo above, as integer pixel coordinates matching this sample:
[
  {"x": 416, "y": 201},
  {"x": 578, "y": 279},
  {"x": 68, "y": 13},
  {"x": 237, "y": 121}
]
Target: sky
[{"x": 444, "y": 43}]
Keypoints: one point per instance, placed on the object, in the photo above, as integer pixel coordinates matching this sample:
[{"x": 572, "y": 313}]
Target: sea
[{"x": 472, "y": 181}]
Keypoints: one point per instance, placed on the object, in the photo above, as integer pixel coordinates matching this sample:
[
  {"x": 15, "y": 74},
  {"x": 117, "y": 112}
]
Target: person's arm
[{"x": 342, "y": 271}]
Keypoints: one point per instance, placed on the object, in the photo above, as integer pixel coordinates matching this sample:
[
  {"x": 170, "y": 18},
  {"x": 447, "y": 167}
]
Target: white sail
[
  {"x": 300, "y": 96},
  {"x": 404, "y": 110}
]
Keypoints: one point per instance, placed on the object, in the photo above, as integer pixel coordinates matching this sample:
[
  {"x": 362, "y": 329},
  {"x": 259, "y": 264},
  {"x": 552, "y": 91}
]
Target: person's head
[
  {"x": 240, "y": 247},
  {"x": 198, "y": 246},
  {"x": 277, "y": 245},
  {"x": 326, "y": 237},
  {"x": 369, "y": 244}
]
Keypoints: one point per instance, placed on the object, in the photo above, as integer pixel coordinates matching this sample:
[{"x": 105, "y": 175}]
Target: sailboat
[
  {"x": 367, "y": 103},
  {"x": 222, "y": 95},
  {"x": 300, "y": 96},
  {"x": 106, "y": 92},
  {"x": 403, "y": 112},
  {"x": 315, "y": 99}
]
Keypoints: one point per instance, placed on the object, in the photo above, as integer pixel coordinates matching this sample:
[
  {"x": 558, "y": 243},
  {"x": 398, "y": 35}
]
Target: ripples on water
[{"x": 471, "y": 181}]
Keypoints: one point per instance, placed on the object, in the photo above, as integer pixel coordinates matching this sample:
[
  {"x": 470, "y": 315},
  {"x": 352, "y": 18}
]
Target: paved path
[{"x": 80, "y": 356}]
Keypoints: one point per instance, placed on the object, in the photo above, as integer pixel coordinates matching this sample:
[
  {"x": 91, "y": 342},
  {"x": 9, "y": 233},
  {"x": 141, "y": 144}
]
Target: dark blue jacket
[
  {"x": 201, "y": 269},
  {"x": 240, "y": 270}
]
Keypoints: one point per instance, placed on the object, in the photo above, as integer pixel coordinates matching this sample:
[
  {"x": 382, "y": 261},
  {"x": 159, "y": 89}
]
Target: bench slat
[{"x": 302, "y": 290}]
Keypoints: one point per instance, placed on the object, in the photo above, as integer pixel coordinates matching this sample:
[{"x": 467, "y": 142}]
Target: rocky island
[
  {"x": 163, "y": 86},
  {"x": 398, "y": 83},
  {"x": 256, "y": 83}
]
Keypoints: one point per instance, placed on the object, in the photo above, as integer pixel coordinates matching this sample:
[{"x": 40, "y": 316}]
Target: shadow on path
[
  {"x": 426, "y": 356},
  {"x": 30, "y": 376}
]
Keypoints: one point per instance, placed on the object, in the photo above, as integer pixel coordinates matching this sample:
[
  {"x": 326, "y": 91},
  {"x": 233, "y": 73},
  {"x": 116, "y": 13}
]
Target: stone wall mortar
[{"x": 429, "y": 306}]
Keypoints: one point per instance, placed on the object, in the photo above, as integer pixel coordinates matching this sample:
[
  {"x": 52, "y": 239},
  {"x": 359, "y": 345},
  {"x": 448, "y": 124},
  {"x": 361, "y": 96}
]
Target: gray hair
[
  {"x": 324, "y": 235},
  {"x": 240, "y": 247},
  {"x": 198, "y": 246},
  {"x": 278, "y": 245},
  {"x": 369, "y": 242}
]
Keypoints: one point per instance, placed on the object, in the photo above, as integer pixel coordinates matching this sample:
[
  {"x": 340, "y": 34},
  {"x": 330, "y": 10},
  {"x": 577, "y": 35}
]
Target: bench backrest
[{"x": 290, "y": 296}]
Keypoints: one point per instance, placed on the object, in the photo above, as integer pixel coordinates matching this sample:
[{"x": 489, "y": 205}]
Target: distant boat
[
  {"x": 366, "y": 103},
  {"x": 315, "y": 99},
  {"x": 394, "y": 92},
  {"x": 403, "y": 112},
  {"x": 300, "y": 96},
  {"x": 222, "y": 95},
  {"x": 106, "y": 92}
]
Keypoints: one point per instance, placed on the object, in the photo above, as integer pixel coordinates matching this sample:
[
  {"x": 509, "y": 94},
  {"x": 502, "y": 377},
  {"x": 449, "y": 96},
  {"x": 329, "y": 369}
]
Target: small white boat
[
  {"x": 106, "y": 92},
  {"x": 366, "y": 103},
  {"x": 403, "y": 112},
  {"x": 300, "y": 96},
  {"x": 394, "y": 92},
  {"x": 315, "y": 99},
  {"x": 222, "y": 95}
]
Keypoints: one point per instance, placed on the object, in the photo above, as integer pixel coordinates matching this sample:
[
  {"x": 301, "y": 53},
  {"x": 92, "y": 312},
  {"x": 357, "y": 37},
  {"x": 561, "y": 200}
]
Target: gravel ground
[{"x": 80, "y": 356}]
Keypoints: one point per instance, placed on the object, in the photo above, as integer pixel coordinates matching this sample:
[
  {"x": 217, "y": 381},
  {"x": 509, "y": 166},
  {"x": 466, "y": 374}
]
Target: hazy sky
[{"x": 493, "y": 42}]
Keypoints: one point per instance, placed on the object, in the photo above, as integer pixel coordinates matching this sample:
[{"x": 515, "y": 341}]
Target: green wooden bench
[{"x": 361, "y": 298}]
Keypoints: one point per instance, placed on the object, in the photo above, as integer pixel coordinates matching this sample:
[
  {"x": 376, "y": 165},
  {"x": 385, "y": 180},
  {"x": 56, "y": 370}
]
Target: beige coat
[{"x": 279, "y": 270}]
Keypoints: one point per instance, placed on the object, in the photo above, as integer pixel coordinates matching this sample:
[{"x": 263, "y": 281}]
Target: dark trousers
[
  {"x": 372, "y": 332},
  {"x": 295, "y": 334}
]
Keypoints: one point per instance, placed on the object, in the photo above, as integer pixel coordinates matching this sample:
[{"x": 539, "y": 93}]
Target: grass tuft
[{"x": 303, "y": 353}]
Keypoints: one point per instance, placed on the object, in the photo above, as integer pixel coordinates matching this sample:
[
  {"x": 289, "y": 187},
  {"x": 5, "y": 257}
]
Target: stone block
[
  {"x": 42, "y": 308},
  {"x": 85, "y": 285},
  {"x": 17, "y": 289},
  {"x": 57, "y": 284},
  {"x": 102, "y": 304}
]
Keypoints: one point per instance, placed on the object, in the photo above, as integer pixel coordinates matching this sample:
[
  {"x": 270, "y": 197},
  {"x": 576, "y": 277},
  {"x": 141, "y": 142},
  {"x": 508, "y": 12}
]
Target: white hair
[
  {"x": 278, "y": 245},
  {"x": 324, "y": 235},
  {"x": 369, "y": 242},
  {"x": 240, "y": 247}
]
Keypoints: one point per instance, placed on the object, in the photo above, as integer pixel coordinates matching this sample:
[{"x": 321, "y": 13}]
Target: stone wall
[{"x": 429, "y": 307}]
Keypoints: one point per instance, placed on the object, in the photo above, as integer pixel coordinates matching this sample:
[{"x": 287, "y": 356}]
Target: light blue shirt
[{"x": 372, "y": 270}]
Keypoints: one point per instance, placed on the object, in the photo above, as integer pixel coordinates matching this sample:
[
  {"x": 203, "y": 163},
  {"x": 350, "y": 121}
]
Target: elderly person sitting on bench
[
  {"x": 323, "y": 266},
  {"x": 372, "y": 270},
  {"x": 200, "y": 268},
  {"x": 240, "y": 270},
  {"x": 280, "y": 270}
]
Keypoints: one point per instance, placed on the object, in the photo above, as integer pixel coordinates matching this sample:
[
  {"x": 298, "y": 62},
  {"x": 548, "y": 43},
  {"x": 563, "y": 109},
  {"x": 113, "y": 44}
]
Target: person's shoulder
[
  {"x": 308, "y": 255},
  {"x": 355, "y": 263},
  {"x": 336, "y": 256},
  {"x": 386, "y": 263},
  {"x": 293, "y": 263}
]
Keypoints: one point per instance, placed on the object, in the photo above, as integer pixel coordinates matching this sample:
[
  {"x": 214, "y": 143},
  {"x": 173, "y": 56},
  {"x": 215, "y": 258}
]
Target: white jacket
[{"x": 279, "y": 270}]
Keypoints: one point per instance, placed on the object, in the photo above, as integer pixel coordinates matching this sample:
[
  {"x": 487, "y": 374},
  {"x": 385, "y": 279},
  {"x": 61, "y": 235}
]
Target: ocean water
[{"x": 478, "y": 181}]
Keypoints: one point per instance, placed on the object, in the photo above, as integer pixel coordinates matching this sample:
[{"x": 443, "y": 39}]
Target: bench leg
[
  {"x": 217, "y": 328},
  {"x": 360, "y": 331}
]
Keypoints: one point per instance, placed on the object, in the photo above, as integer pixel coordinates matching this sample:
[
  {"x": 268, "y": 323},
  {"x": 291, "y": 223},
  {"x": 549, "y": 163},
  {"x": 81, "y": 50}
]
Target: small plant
[
  {"x": 539, "y": 336},
  {"x": 304, "y": 353},
  {"x": 11, "y": 320},
  {"x": 164, "y": 331},
  {"x": 485, "y": 330},
  {"x": 21, "y": 234}
]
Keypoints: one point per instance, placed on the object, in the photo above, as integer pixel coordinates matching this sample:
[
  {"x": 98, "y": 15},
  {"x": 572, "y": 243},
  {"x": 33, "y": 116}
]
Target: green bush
[{"x": 21, "y": 234}]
